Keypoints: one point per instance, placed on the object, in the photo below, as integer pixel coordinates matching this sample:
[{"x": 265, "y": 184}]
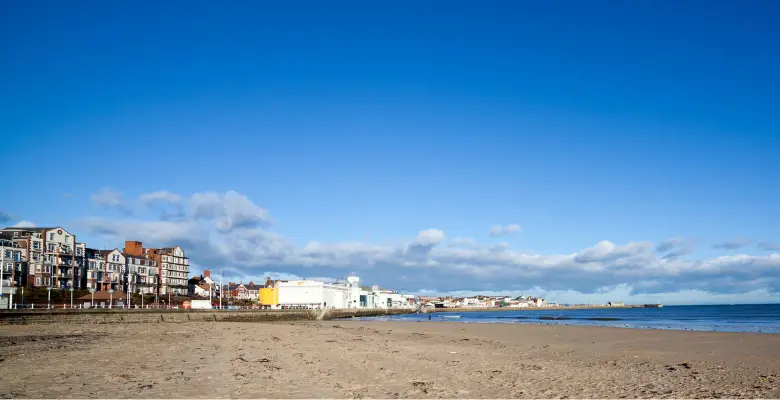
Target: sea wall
[{"x": 181, "y": 316}]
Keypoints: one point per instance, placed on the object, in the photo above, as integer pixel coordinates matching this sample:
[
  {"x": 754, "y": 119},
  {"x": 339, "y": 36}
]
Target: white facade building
[
  {"x": 316, "y": 294},
  {"x": 341, "y": 294},
  {"x": 141, "y": 274},
  {"x": 174, "y": 271},
  {"x": 115, "y": 271},
  {"x": 308, "y": 294},
  {"x": 59, "y": 253}
]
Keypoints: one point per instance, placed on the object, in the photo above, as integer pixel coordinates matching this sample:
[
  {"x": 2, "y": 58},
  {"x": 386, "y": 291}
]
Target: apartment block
[
  {"x": 13, "y": 257},
  {"x": 51, "y": 255},
  {"x": 80, "y": 266},
  {"x": 142, "y": 269},
  {"x": 95, "y": 271},
  {"x": 174, "y": 270}
]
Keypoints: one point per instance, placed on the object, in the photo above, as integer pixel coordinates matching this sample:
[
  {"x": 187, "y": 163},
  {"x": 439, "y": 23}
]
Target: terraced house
[
  {"x": 51, "y": 257},
  {"x": 114, "y": 277}
]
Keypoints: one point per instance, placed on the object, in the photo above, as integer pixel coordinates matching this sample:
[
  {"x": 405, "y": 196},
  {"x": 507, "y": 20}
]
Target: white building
[
  {"x": 115, "y": 271},
  {"x": 391, "y": 299},
  {"x": 59, "y": 251},
  {"x": 316, "y": 294},
  {"x": 301, "y": 294},
  {"x": 141, "y": 274},
  {"x": 12, "y": 260},
  {"x": 174, "y": 271},
  {"x": 35, "y": 272},
  {"x": 95, "y": 269}
]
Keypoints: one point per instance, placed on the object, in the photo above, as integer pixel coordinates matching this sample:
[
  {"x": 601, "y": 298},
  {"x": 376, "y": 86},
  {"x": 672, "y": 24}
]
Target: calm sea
[{"x": 764, "y": 318}]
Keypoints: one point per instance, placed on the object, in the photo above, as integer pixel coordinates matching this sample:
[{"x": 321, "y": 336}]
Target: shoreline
[
  {"x": 472, "y": 309},
  {"x": 563, "y": 325},
  {"x": 372, "y": 359}
]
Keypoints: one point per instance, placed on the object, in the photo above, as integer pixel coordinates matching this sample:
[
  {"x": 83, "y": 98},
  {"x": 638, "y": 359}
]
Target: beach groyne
[{"x": 132, "y": 316}]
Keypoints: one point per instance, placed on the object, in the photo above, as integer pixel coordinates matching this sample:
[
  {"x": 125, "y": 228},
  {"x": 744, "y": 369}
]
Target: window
[
  {"x": 51, "y": 236},
  {"x": 37, "y": 281},
  {"x": 38, "y": 268},
  {"x": 67, "y": 239},
  {"x": 8, "y": 254},
  {"x": 35, "y": 256}
]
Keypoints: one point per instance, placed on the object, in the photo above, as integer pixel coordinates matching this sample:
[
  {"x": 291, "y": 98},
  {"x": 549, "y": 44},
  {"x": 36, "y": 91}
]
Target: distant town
[{"x": 46, "y": 260}]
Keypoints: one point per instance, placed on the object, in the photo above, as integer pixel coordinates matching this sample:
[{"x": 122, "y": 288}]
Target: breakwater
[{"x": 132, "y": 316}]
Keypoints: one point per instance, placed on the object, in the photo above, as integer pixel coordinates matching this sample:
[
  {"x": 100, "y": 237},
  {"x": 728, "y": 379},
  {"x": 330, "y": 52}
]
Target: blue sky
[{"x": 389, "y": 138}]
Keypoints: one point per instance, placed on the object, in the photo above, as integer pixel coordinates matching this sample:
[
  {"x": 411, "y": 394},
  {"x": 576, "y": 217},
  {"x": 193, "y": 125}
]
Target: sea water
[{"x": 762, "y": 318}]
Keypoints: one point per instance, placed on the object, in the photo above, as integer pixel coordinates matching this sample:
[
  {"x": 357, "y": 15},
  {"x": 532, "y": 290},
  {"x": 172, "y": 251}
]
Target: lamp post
[
  {"x": 92, "y": 300},
  {"x": 220, "y": 289},
  {"x": 71, "y": 297},
  {"x": 22, "y": 296},
  {"x": 2, "y": 268},
  {"x": 47, "y": 262},
  {"x": 111, "y": 297},
  {"x": 127, "y": 282}
]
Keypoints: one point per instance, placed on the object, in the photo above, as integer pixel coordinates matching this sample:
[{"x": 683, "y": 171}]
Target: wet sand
[{"x": 353, "y": 359}]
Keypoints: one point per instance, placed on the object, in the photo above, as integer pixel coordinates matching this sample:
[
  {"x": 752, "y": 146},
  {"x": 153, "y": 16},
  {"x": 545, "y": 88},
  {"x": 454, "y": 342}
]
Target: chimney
[
  {"x": 207, "y": 273},
  {"x": 133, "y": 248},
  {"x": 268, "y": 282}
]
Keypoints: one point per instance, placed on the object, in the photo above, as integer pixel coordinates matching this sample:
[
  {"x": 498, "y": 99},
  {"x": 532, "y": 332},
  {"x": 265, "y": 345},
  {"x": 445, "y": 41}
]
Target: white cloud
[
  {"x": 499, "y": 230},
  {"x": 233, "y": 210},
  {"x": 162, "y": 196},
  {"x": 110, "y": 199},
  {"x": 24, "y": 224},
  {"x": 675, "y": 248},
  {"x": 463, "y": 242},
  {"x": 228, "y": 231},
  {"x": 430, "y": 237}
]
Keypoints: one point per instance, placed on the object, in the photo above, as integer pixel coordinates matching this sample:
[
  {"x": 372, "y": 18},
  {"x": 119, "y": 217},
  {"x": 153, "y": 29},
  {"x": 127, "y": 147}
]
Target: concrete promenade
[{"x": 132, "y": 316}]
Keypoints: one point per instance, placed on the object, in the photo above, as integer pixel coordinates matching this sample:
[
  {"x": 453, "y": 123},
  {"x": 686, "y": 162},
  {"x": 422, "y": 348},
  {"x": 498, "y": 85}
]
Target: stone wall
[{"x": 180, "y": 316}]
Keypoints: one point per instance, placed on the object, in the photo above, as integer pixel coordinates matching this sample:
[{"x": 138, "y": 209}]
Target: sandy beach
[{"x": 353, "y": 359}]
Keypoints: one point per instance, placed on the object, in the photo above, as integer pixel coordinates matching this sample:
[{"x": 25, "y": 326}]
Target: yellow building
[{"x": 269, "y": 296}]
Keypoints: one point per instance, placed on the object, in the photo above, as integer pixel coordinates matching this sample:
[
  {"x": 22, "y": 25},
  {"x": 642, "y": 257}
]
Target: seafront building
[
  {"x": 52, "y": 258},
  {"x": 174, "y": 270},
  {"x": 346, "y": 293}
]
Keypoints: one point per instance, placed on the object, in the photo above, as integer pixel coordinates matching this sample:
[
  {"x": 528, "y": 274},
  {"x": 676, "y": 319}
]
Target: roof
[{"x": 36, "y": 229}]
